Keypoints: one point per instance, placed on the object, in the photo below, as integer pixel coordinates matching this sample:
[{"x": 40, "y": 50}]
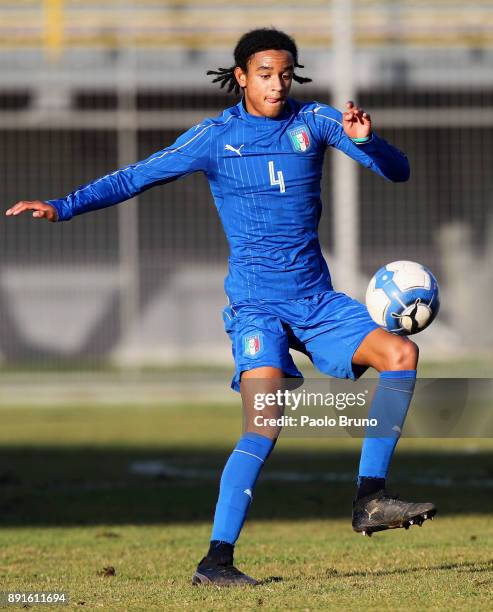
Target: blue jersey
[{"x": 265, "y": 176}]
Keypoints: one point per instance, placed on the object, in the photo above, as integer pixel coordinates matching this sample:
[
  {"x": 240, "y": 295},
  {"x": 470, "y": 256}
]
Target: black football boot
[{"x": 380, "y": 510}]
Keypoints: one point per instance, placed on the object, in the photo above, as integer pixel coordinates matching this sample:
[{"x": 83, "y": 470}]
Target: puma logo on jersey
[{"x": 229, "y": 147}]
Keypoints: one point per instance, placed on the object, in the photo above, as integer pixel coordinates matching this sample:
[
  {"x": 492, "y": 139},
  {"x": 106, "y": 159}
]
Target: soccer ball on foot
[{"x": 403, "y": 297}]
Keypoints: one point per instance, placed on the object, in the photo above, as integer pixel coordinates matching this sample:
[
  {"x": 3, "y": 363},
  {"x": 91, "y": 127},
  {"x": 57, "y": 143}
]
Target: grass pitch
[{"x": 71, "y": 506}]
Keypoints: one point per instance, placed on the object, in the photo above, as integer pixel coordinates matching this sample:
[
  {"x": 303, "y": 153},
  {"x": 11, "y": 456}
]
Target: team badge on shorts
[
  {"x": 300, "y": 139},
  {"x": 252, "y": 345}
]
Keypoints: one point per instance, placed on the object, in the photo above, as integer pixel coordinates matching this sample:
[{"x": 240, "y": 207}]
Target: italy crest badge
[{"x": 300, "y": 139}]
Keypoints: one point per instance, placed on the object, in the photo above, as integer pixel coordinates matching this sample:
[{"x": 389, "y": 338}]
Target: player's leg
[
  {"x": 261, "y": 352},
  {"x": 343, "y": 341},
  {"x": 239, "y": 478},
  {"x": 395, "y": 358}
]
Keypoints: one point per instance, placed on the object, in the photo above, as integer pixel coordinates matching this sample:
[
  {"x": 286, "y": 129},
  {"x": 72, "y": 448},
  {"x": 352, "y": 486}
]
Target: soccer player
[{"x": 263, "y": 159}]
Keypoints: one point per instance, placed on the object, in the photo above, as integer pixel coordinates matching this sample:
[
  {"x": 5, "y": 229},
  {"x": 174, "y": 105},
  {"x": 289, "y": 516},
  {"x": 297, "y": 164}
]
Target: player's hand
[
  {"x": 41, "y": 210},
  {"x": 356, "y": 122}
]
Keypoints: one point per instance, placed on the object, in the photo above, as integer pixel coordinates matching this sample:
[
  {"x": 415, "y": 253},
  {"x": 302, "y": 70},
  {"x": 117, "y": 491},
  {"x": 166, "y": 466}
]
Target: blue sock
[
  {"x": 390, "y": 405},
  {"x": 237, "y": 484}
]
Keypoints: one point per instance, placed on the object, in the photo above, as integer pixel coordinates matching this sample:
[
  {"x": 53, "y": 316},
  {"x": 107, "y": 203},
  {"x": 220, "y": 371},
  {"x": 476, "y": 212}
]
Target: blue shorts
[{"x": 327, "y": 327}]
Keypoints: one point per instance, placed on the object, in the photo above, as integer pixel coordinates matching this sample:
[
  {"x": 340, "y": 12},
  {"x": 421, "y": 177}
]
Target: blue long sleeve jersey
[{"x": 265, "y": 176}]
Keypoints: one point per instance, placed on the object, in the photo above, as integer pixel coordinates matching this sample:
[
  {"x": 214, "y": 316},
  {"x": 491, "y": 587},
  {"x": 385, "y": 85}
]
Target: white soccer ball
[{"x": 403, "y": 297}]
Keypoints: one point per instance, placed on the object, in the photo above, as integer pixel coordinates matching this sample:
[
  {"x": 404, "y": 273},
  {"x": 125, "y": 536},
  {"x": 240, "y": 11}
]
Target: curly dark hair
[{"x": 252, "y": 42}]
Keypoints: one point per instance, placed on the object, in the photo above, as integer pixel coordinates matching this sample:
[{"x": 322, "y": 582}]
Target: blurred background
[{"x": 137, "y": 290}]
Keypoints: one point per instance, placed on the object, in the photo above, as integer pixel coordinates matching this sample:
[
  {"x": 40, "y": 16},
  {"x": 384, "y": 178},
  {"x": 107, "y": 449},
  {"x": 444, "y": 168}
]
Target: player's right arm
[
  {"x": 190, "y": 153},
  {"x": 41, "y": 210}
]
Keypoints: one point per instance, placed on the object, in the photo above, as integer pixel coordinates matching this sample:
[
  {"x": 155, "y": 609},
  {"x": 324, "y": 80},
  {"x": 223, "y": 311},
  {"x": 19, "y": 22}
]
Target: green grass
[
  {"x": 69, "y": 507},
  {"x": 306, "y": 565},
  {"x": 480, "y": 365}
]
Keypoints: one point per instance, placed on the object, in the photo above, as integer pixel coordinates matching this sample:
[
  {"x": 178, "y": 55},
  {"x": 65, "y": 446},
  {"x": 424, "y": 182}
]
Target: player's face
[{"x": 267, "y": 82}]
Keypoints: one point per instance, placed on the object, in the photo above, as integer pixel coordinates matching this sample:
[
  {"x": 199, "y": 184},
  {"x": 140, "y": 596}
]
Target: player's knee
[{"x": 402, "y": 355}]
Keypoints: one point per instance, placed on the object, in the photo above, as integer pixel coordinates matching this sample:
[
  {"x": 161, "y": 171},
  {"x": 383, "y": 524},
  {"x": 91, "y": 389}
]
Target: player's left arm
[{"x": 351, "y": 132}]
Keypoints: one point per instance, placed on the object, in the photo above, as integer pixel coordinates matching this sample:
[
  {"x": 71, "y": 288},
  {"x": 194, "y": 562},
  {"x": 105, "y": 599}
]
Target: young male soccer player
[{"x": 263, "y": 159}]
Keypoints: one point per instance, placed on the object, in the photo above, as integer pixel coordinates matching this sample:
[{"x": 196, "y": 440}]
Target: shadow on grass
[
  {"x": 465, "y": 566},
  {"x": 57, "y": 486},
  {"x": 271, "y": 579}
]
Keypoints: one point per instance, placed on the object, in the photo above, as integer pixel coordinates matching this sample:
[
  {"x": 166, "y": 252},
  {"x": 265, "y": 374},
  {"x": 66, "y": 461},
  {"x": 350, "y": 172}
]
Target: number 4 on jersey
[{"x": 276, "y": 181}]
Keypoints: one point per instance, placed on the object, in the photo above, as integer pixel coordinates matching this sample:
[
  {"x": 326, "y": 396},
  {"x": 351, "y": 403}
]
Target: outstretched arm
[
  {"x": 351, "y": 132},
  {"x": 190, "y": 153}
]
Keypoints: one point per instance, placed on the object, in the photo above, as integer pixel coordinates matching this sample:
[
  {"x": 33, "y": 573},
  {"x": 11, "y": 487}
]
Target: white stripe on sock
[{"x": 251, "y": 454}]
